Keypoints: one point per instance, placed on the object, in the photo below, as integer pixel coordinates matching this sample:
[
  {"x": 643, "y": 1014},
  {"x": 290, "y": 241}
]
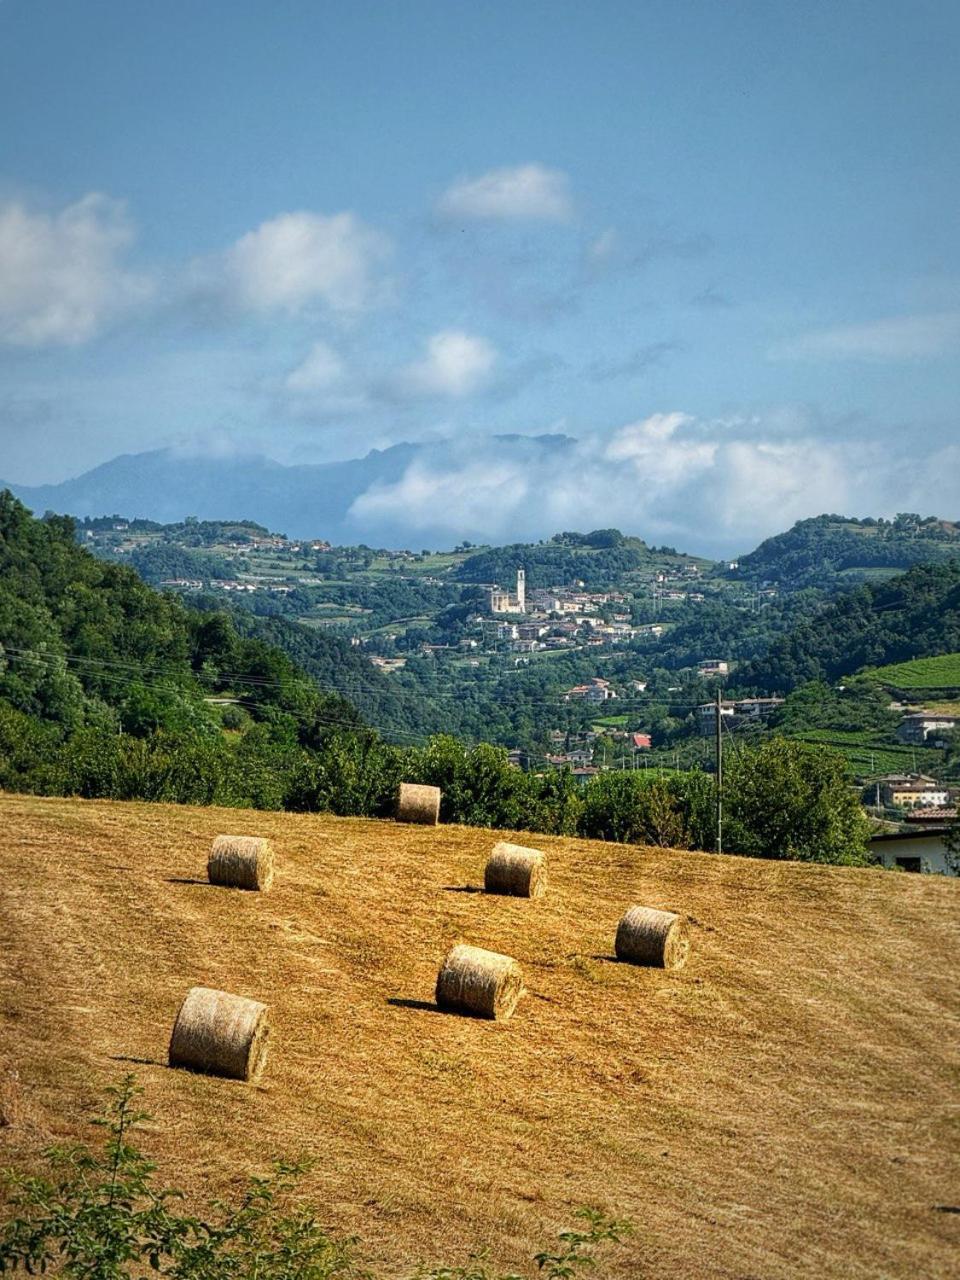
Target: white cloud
[
  {"x": 296, "y": 259},
  {"x": 321, "y": 370},
  {"x": 528, "y": 192},
  {"x": 669, "y": 477},
  {"x": 62, "y": 278},
  {"x": 898, "y": 338},
  {"x": 455, "y": 364}
]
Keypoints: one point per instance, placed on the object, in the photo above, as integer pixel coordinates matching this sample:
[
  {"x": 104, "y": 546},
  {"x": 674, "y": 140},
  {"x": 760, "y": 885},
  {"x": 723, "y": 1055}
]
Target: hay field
[{"x": 786, "y": 1105}]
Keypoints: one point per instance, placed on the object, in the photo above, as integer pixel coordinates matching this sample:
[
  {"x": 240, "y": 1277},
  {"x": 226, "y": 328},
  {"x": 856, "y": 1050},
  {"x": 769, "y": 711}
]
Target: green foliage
[
  {"x": 939, "y": 672},
  {"x": 100, "y": 1215},
  {"x": 598, "y": 559},
  {"x": 857, "y": 706},
  {"x": 675, "y": 812},
  {"x": 480, "y": 788},
  {"x": 787, "y": 799}
]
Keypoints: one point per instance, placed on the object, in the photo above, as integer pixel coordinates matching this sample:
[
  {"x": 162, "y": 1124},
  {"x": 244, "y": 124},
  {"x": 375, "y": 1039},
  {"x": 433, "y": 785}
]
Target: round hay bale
[
  {"x": 648, "y": 936},
  {"x": 241, "y": 862},
  {"x": 220, "y": 1034},
  {"x": 417, "y": 803},
  {"x": 480, "y": 982},
  {"x": 515, "y": 870}
]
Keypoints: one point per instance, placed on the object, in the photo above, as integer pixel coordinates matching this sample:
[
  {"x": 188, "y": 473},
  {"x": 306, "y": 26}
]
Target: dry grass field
[{"x": 784, "y": 1106}]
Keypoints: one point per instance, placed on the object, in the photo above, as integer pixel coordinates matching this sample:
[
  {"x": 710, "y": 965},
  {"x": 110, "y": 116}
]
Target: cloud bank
[
  {"x": 299, "y": 258},
  {"x": 715, "y": 486}
]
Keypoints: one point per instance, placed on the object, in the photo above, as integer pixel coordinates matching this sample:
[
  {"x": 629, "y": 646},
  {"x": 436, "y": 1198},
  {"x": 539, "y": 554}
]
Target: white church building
[{"x": 504, "y": 602}]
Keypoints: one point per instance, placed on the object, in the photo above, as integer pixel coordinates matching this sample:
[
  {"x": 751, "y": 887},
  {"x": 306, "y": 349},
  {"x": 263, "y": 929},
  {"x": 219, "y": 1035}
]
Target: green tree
[
  {"x": 952, "y": 841},
  {"x": 788, "y": 799}
]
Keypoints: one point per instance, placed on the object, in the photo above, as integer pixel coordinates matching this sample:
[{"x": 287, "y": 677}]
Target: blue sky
[{"x": 308, "y": 229}]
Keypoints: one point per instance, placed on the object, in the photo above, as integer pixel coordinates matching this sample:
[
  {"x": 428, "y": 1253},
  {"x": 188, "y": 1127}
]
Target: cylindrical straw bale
[
  {"x": 417, "y": 803},
  {"x": 480, "y": 982},
  {"x": 241, "y": 862},
  {"x": 648, "y": 936},
  {"x": 220, "y": 1034},
  {"x": 517, "y": 871}
]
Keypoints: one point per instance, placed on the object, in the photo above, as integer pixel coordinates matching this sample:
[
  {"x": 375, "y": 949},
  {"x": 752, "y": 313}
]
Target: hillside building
[
  {"x": 913, "y": 791},
  {"x": 733, "y": 712},
  {"x": 926, "y": 728},
  {"x": 505, "y": 602}
]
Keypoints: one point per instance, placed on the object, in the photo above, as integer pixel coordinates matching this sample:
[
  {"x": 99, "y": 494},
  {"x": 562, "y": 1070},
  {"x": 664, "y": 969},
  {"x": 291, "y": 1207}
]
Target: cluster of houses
[
  {"x": 928, "y": 809},
  {"x": 914, "y": 792},
  {"x": 561, "y": 617}
]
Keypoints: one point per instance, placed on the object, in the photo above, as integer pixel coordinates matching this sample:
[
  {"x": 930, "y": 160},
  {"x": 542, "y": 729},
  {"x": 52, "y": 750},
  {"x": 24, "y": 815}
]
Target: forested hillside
[
  {"x": 833, "y": 551},
  {"x": 108, "y": 688},
  {"x": 914, "y": 615}
]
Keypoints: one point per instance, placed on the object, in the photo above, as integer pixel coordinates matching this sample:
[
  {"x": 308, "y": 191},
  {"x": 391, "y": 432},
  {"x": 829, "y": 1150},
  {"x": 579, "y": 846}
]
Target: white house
[{"x": 921, "y": 851}]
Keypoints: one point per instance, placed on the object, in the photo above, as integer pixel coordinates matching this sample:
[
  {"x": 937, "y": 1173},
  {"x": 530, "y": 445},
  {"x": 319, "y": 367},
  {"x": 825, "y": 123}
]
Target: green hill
[
  {"x": 107, "y": 686},
  {"x": 832, "y": 551}
]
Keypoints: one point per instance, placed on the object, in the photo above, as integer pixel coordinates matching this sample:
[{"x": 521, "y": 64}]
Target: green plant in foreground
[{"x": 100, "y": 1216}]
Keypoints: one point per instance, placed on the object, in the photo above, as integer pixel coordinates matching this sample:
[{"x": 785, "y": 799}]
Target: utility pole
[{"x": 719, "y": 773}]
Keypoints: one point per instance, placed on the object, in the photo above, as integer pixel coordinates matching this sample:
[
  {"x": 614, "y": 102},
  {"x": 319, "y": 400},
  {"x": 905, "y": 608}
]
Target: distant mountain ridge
[
  {"x": 167, "y": 485},
  {"x": 301, "y": 500}
]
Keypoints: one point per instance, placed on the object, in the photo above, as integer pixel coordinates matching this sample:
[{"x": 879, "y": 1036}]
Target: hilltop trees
[{"x": 911, "y": 616}]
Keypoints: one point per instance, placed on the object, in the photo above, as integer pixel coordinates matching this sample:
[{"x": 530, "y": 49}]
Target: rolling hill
[
  {"x": 922, "y": 676},
  {"x": 784, "y": 1106},
  {"x": 838, "y": 552}
]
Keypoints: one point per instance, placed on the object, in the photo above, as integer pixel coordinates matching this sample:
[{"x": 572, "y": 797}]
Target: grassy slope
[{"x": 779, "y": 1108}]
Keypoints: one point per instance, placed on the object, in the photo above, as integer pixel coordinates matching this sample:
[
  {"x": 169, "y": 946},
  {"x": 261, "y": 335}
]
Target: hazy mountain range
[{"x": 357, "y": 500}]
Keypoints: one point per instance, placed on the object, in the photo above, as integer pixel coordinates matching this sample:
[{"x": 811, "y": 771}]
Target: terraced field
[{"x": 939, "y": 673}]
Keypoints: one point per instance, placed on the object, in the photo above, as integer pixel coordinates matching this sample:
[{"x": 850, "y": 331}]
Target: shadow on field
[
  {"x": 140, "y": 1062},
  {"x": 188, "y": 880},
  {"x": 425, "y": 1006},
  {"x": 462, "y": 888}
]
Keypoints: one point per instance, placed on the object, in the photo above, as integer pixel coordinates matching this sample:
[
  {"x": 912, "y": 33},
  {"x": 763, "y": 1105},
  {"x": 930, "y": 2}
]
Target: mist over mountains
[{"x": 670, "y": 479}]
